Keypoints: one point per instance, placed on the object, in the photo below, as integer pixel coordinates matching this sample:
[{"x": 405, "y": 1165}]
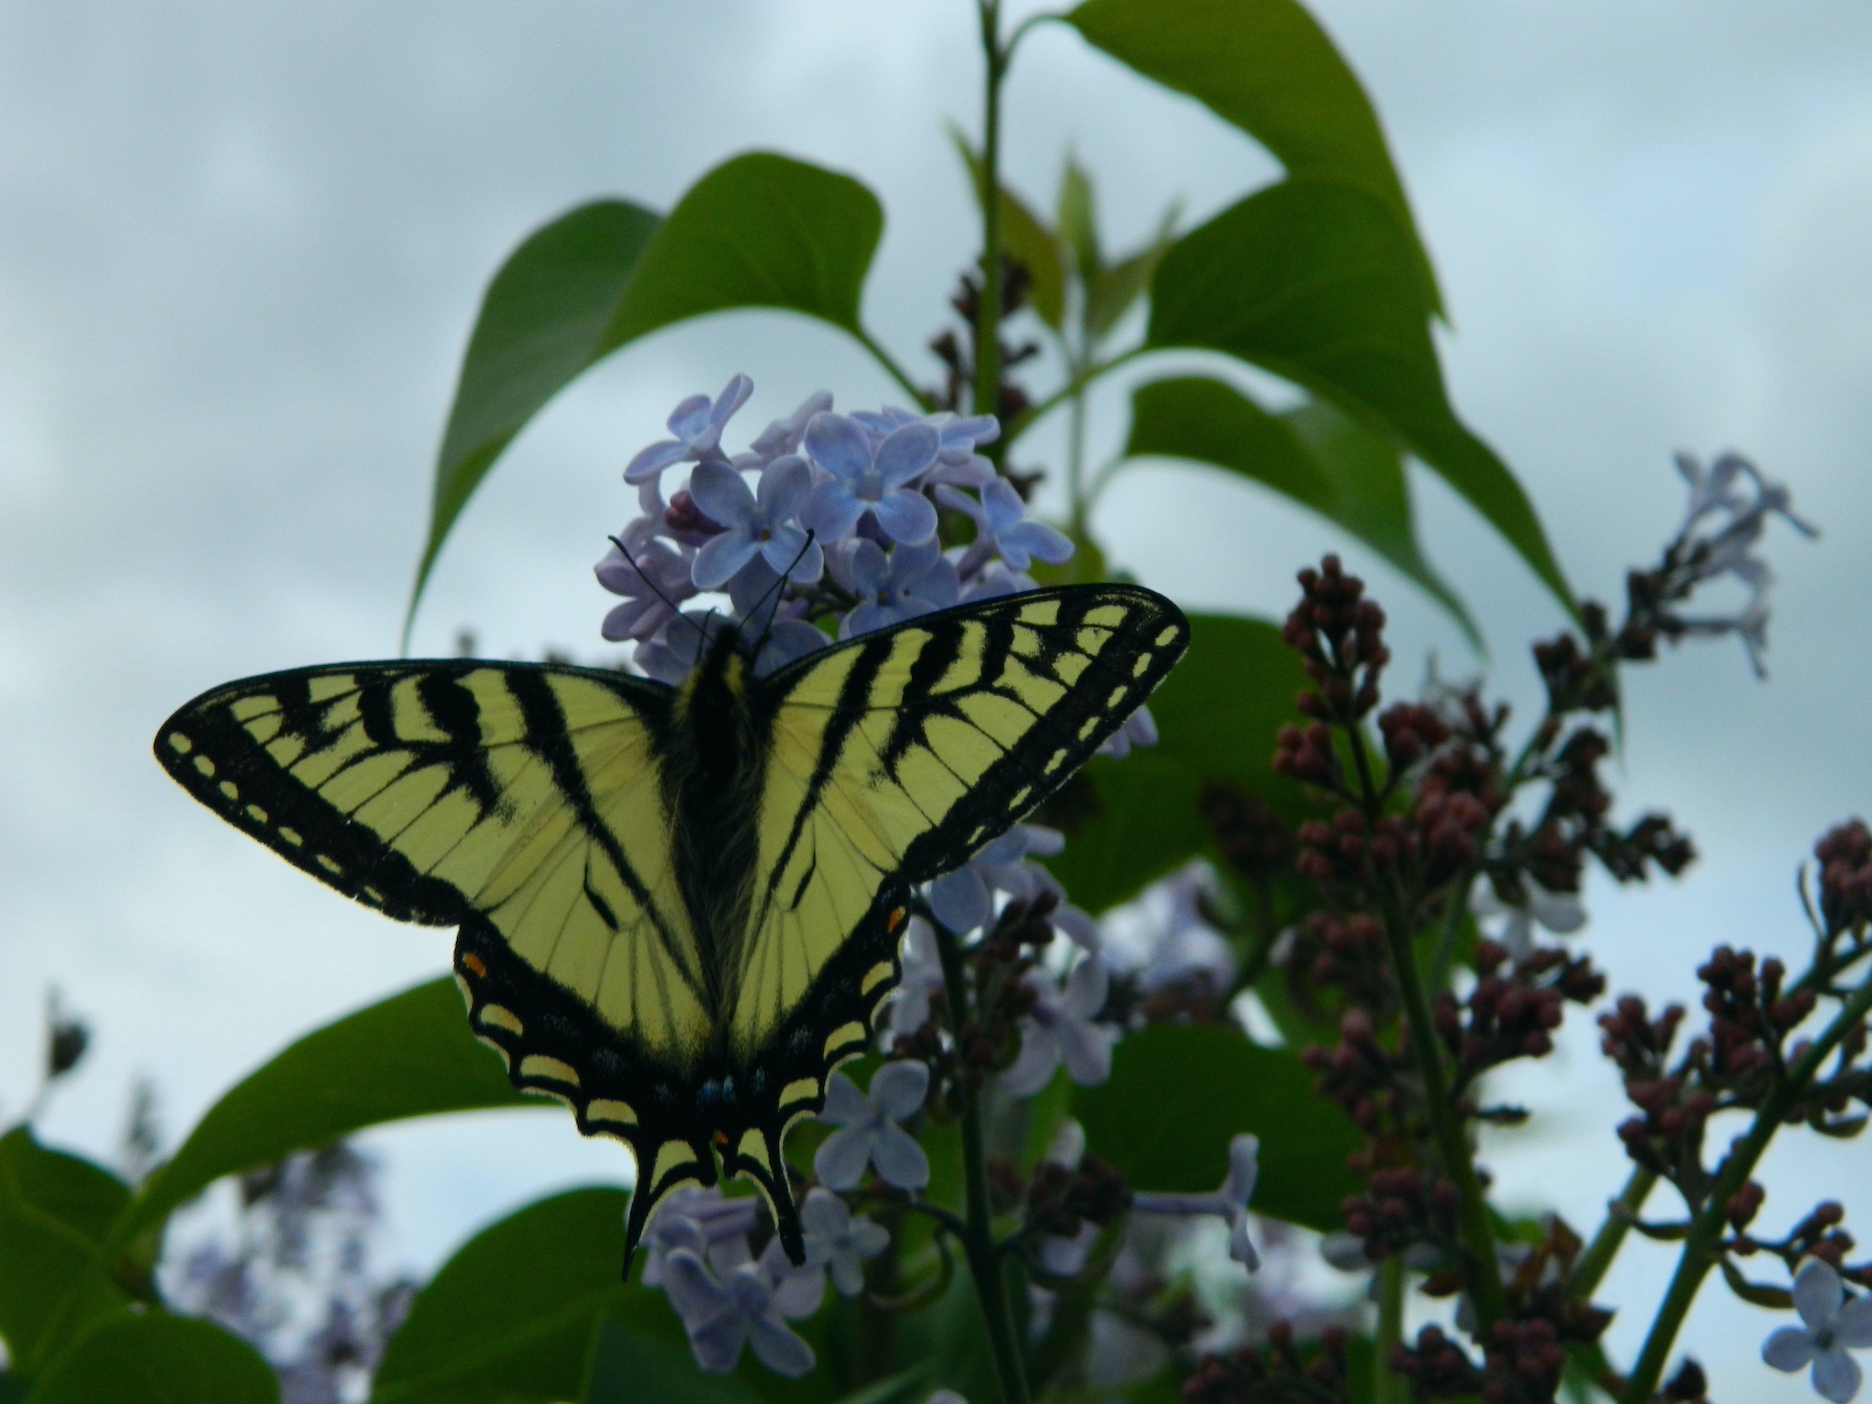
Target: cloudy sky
[{"x": 240, "y": 248}]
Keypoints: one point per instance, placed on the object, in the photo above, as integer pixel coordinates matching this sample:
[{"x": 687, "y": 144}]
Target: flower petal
[
  {"x": 907, "y": 452},
  {"x": 690, "y": 418},
  {"x": 721, "y": 559},
  {"x": 1086, "y": 1050},
  {"x": 847, "y": 1275},
  {"x": 898, "y": 1088},
  {"x": 899, "y": 1159},
  {"x": 1853, "y": 1326},
  {"x": 1789, "y": 1349},
  {"x": 961, "y": 900},
  {"x": 832, "y": 511},
  {"x": 651, "y": 461},
  {"x": 785, "y": 484},
  {"x": 1241, "y": 1246},
  {"x": 692, "y": 1290},
  {"x": 717, "y": 1344},
  {"x": 838, "y": 446},
  {"x": 778, "y": 1348},
  {"x": 870, "y": 570},
  {"x": 1086, "y": 988},
  {"x": 1836, "y": 1375},
  {"x": 1817, "y": 1293},
  {"x": 824, "y": 1215},
  {"x": 723, "y": 494},
  {"x": 842, "y": 1157},
  {"x": 1244, "y": 1169},
  {"x": 1033, "y": 1069},
  {"x": 845, "y": 1105},
  {"x": 907, "y": 516}
]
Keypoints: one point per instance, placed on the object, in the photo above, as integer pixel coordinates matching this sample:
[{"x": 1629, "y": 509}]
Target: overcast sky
[{"x": 241, "y": 246}]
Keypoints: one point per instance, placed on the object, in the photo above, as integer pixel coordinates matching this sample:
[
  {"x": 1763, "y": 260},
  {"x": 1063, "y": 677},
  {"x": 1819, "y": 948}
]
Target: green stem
[
  {"x": 1445, "y": 957},
  {"x": 1075, "y": 385},
  {"x": 1388, "y": 1387},
  {"x": 1075, "y": 459},
  {"x": 978, "y": 1240},
  {"x": 988, "y": 315},
  {"x": 1590, "y": 1270},
  {"x": 1699, "y": 1250},
  {"x": 1478, "y": 1234},
  {"x": 895, "y": 371}
]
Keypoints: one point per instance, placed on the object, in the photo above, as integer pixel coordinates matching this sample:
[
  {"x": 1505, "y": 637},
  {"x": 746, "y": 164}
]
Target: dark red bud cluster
[
  {"x": 1513, "y": 1014},
  {"x": 1450, "y": 826},
  {"x": 1525, "y": 1360},
  {"x": 1059, "y": 1200},
  {"x": 1575, "y": 682},
  {"x": 1845, "y": 858},
  {"x": 1306, "y": 754},
  {"x": 1340, "y": 635},
  {"x": 683, "y": 516},
  {"x": 1276, "y": 1370},
  {"x": 1670, "y": 1133},
  {"x": 1400, "y": 1208},
  {"x": 1749, "y": 1014},
  {"x": 1819, "y": 1235},
  {"x": 1742, "y": 1206},
  {"x": 1636, "y": 1042},
  {"x": 1359, "y": 1072},
  {"x": 1435, "y": 1366},
  {"x": 1335, "y": 851},
  {"x": 1410, "y": 732}
]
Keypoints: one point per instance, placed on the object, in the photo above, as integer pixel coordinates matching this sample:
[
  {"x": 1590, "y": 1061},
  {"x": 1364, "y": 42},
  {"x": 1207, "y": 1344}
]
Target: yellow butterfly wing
[{"x": 893, "y": 759}]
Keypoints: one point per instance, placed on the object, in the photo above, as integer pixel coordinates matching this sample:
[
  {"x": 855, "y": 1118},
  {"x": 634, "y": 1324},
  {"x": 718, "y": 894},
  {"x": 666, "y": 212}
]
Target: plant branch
[
  {"x": 977, "y": 1233},
  {"x": 1590, "y": 1270},
  {"x": 987, "y": 396},
  {"x": 1389, "y": 1387},
  {"x": 892, "y": 369},
  {"x": 1699, "y": 1250}
]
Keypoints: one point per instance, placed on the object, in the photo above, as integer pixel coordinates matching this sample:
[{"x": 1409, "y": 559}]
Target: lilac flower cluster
[
  {"x": 826, "y": 527},
  {"x": 830, "y": 519}
]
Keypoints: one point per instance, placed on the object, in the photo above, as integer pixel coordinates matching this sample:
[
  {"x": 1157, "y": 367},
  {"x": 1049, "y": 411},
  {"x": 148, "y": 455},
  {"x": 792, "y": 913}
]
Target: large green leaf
[
  {"x": 1312, "y": 279},
  {"x": 759, "y": 230},
  {"x": 55, "y": 1210},
  {"x": 512, "y": 1314},
  {"x": 154, "y": 1358},
  {"x": 411, "y": 1055},
  {"x": 1134, "y": 820},
  {"x": 628, "y": 1368},
  {"x": 1177, "y": 1095},
  {"x": 1267, "y": 67},
  {"x": 1315, "y": 455}
]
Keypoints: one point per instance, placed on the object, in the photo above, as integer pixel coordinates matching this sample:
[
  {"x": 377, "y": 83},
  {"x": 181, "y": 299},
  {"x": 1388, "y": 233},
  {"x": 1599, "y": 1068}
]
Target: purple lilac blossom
[
  {"x": 723, "y": 1314},
  {"x": 697, "y": 424},
  {"x": 868, "y": 1133},
  {"x": 864, "y": 477},
  {"x": 1229, "y": 1202},
  {"x": 755, "y": 524},
  {"x": 911, "y": 581},
  {"x": 1062, "y": 1027},
  {"x": 1002, "y": 526},
  {"x": 1832, "y": 1324}
]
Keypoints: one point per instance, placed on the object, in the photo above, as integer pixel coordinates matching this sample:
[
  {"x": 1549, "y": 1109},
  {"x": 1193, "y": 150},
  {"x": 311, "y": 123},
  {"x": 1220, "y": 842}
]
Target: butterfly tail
[{"x": 758, "y": 1158}]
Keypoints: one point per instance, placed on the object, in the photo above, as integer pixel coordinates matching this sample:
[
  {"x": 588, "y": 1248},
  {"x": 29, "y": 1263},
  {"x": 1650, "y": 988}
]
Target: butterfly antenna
[
  {"x": 655, "y": 589},
  {"x": 773, "y": 594}
]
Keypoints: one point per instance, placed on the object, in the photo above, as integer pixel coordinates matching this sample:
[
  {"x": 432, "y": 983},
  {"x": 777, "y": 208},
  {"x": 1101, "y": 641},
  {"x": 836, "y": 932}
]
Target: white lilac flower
[
  {"x": 1169, "y": 941},
  {"x": 1140, "y": 729},
  {"x": 724, "y": 1314},
  {"x": 697, "y": 424},
  {"x": 1060, "y": 1029},
  {"x": 1003, "y": 528},
  {"x": 783, "y": 436},
  {"x": 1559, "y": 912},
  {"x": 1834, "y": 1324},
  {"x": 762, "y": 524},
  {"x": 863, "y": 477},
  {"x": 839, "y": 1241},
  {"x": 1230, "y": 1202},
  {"x": 922, "y": 977},
  {"x": 868, "y": 1133},
  {"x": 911, "y": 581}
]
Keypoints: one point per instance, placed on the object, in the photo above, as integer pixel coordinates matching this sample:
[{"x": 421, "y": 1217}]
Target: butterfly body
[{"x": 678, "y": 908}]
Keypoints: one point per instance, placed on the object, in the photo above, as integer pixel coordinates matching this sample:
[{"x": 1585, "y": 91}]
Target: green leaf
[
  {"x": 1177, "y": 1095},
  {"x": 411, "y": 1055},
  {"x": 1132, "y": 821},
  {"x": 1113, "y": 290},
  {"x": 513, "y": 1312},
  {"x": 154, "y": 1358},
  {"x": 1311, "y": 279},
  {"x": 759, "y": 230},
  {"x": 1025, "y": 238},
  {"x": 1077, "y": 219},
  {"x": 627, "y": 1368},
  {"x": 1314, "y": 455},
  {"x": 1267, "y": 67},
  {"x": 55, "y": 1210}
]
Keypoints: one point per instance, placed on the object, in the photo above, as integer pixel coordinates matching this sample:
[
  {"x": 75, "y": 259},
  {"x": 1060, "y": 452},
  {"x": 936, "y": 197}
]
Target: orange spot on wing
[
  {"x": 476, "y": 966},
  {"x": 896, "y": 919},
  {"x": 721, "y": 1138}
]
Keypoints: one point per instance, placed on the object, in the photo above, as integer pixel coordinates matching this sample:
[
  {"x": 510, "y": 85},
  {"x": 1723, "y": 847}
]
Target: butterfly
[{"x": 679, "y": 908}]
